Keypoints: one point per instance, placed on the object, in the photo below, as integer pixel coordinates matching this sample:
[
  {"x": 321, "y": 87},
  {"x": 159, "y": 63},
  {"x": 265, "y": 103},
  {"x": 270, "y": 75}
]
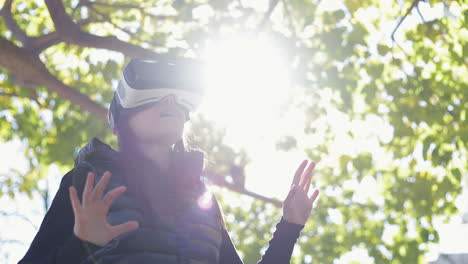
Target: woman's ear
[{"x": 114, "y": 130}]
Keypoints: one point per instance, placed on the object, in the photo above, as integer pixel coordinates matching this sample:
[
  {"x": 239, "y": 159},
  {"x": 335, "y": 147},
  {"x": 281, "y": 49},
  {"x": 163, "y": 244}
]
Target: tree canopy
[{"x": 392, "y": 62}]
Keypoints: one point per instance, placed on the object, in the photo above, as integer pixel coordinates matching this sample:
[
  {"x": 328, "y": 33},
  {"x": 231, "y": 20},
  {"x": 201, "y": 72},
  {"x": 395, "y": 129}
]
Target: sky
[{"x": 236, "y": 108}]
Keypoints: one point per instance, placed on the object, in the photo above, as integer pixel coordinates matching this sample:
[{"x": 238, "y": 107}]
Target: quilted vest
[{"x": 194, "y": 238}]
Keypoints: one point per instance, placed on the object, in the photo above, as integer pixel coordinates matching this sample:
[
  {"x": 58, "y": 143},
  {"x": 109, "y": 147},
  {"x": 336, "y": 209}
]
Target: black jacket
[{"x": 56, "y": 243}]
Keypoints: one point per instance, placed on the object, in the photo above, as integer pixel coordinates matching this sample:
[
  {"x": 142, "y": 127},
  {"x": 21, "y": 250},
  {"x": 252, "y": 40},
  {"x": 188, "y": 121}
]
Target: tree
[{"x": 59, "y": 59}]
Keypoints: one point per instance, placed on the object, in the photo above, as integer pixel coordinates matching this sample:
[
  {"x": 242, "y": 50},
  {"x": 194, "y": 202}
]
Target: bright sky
[{"x": 245, "y": 96}]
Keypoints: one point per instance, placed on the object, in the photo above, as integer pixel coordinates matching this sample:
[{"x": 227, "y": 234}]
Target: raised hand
[
  {"x": 91, "y": 216},
  {"x": 298, "y": 205}
]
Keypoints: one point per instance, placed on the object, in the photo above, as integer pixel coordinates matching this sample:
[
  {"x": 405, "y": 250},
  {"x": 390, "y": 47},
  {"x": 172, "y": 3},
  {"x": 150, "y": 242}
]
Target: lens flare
[
  {"x": 247, "y": 74},
  {"x": 205, "y": 201}
]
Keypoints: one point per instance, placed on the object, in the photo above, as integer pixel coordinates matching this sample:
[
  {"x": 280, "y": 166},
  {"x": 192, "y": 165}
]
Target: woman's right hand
[{"x": 91, "y": 216}]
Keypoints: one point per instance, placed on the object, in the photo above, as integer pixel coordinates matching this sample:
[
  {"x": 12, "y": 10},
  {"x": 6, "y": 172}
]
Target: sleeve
[
  {"x": 279, "y": 250},
  {"x": 55, "y": 241}
]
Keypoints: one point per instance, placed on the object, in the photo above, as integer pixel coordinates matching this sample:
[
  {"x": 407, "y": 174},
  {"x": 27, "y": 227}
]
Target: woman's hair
[{"x": 181, "y": 145}]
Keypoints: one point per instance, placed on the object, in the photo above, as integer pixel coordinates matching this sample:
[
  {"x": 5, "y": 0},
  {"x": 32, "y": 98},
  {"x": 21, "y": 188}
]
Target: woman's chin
[{"x": 167, "y": 139}]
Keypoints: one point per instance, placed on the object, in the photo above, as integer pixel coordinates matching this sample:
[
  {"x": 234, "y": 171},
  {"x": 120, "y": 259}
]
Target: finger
[
  {"x": 290, "y": 194},
  {"x": 304, "y": 175},
  {"x": 297, "y": 175},
  {"x": 88, "y": 188},
  {"x": 74, "y": 201},
  {"x": 123, "y": 228},
  {"x": 308, "y": 176},
  {"x": 112, "y": 195},
  {"x": 314, "y": 196},
  {"x": 100, "y": 186}
]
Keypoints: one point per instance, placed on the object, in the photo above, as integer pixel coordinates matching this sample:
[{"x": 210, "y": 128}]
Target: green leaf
[{"x": 383, "y": 49}]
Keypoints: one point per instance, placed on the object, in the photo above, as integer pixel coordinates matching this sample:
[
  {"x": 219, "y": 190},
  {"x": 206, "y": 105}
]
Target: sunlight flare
[{"x": 246, "y": 79}]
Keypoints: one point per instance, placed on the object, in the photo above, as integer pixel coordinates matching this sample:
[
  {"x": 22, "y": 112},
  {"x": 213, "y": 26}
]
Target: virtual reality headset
[{"x": 145, "y": 82}]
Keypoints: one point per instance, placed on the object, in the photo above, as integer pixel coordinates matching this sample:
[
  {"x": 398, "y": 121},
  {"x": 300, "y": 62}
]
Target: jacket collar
[
  {"x": 184, "y": 164},
  {"x": 95, "y": 149}
]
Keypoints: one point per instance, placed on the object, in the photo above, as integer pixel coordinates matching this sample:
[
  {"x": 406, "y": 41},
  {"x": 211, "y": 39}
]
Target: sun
[
  {"x": 247, "y": 88},
  {"x": 246, "y": 79}
]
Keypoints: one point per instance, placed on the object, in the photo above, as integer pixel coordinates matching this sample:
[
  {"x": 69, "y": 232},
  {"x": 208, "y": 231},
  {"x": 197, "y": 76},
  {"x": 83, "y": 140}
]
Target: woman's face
[{"x": 161, "y": 123}]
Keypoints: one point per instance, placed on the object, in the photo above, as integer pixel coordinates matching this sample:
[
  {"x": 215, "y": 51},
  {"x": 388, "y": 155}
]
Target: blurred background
[{"x": 375, "y": 91}]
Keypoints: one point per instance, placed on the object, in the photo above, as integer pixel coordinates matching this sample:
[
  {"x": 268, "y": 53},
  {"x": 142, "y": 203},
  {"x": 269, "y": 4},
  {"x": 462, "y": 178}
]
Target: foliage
[{"x": 346, "y": 62}]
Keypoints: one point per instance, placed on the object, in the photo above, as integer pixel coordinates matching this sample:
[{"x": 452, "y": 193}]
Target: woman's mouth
[{"x": 168, "y": 114}]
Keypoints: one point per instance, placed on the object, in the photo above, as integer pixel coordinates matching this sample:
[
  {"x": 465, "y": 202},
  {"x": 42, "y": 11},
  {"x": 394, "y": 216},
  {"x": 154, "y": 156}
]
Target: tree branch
[
  {"x": 8, "y": 94},
  {"x": 114, "y": 5},
  {"x": 12, "y": 25},
  {"x": 4, "y": 213},
  {"x": 291, "y": 22},
  {"x": 28, "y": 67},
  {"x": 109, "y": 20},
  {"x": 38, "y": 44},
  {"x": 420, "y": 14},
  {"x": 71, "y": 33},
  {"x": 127, "y": 6},
  {"x": 219, "y": 180},
  {"x": 11, "y": 241},
  {"x": 415, "y": 3},
  {"x": 267, "y": 15}
]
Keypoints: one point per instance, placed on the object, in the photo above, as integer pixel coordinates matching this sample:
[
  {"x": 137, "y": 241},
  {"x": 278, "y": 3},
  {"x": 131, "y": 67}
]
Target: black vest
[{"x": 195, "y": 237}]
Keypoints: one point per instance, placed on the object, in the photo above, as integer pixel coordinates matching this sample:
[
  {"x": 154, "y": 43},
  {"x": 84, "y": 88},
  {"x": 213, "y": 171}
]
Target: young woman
[{"x": 146, "y": 202}]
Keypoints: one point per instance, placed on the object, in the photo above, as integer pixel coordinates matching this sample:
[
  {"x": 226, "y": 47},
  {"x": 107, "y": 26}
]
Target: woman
[{"x": 146, "y": 203}]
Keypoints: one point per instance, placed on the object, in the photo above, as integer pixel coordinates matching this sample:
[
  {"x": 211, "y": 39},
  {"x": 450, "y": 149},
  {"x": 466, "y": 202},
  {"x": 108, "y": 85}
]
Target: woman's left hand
[{"x": 298, "y": 205}]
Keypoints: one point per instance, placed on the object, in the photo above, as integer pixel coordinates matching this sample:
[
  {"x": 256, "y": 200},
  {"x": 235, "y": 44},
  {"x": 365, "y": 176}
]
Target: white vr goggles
[
  {"x": 144, "y": 82},
  {"x": 133, "y": 98}
]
